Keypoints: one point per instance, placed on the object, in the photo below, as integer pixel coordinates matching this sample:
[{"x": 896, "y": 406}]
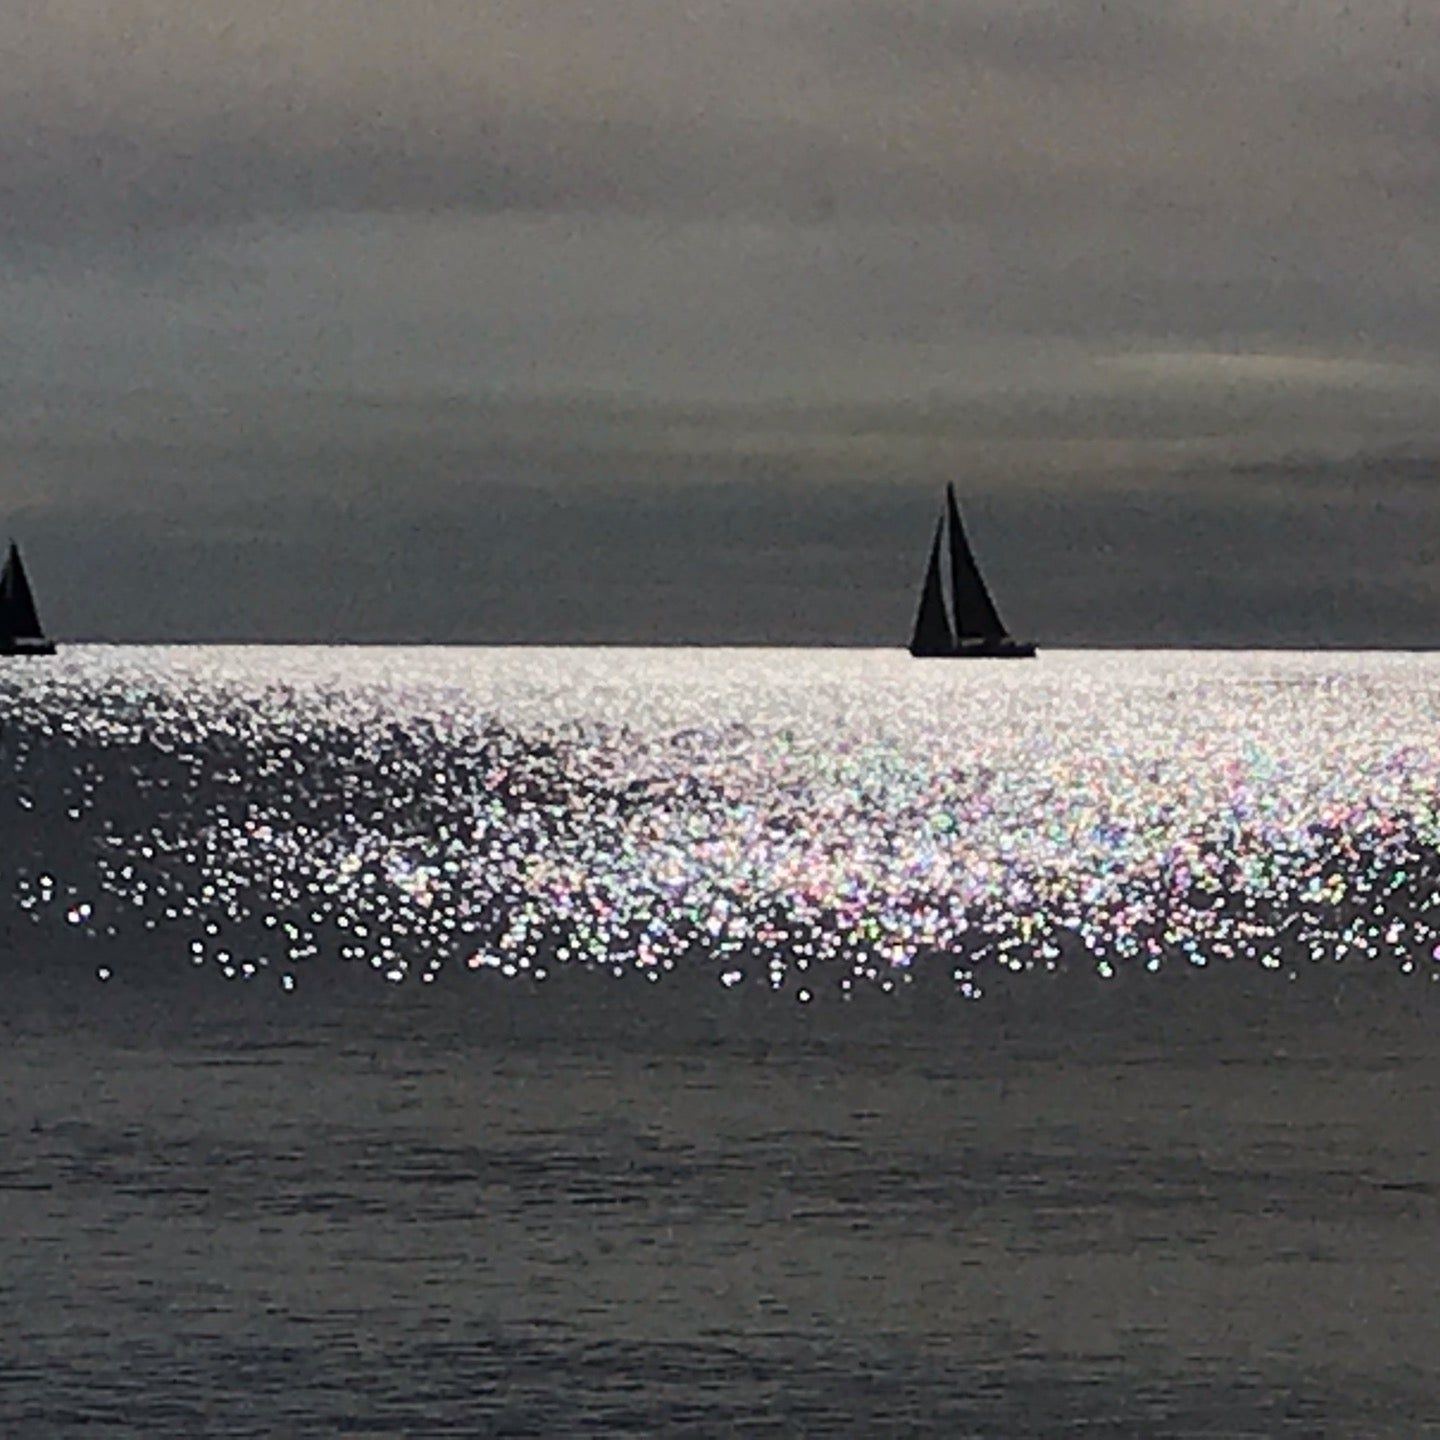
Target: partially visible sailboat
[
  {"x": 20, "y": 632},
  {"x": 976, "y": 629}
]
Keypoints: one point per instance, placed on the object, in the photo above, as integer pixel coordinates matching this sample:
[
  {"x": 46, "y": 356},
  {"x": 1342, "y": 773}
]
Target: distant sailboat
[
  {"x": 976, "y": 629},
  {"x": 20, "y": 632}
]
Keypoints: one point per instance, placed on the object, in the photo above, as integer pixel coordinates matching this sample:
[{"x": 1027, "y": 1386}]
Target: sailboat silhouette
[
  {"x": 976, "y": 629},
  {"x": 20, "y": 632}
]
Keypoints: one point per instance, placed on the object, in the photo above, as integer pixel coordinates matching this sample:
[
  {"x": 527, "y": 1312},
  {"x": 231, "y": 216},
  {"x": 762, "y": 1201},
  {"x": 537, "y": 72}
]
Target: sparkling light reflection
[{"x": 810, "y": 823}]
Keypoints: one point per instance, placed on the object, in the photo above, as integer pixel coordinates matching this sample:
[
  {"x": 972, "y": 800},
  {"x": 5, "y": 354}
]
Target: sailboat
[
  {"x": 20, "y": 632},
  {"x": 977, "y": 629}
]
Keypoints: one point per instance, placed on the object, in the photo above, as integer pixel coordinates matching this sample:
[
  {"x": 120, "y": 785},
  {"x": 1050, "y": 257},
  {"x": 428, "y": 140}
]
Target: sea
[{"x": 558, "y": 1042}]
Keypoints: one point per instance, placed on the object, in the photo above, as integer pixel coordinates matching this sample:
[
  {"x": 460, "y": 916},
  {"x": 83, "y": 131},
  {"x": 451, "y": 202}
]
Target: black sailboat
[
  {"x": 976, "y": 629},
  {"x": 20, "y": 632}
]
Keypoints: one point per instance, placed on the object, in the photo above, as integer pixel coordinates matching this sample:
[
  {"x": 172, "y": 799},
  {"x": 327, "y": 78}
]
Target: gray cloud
[
  {"x": 138, "y": 113},
  {"x": 301, "y": 277},
  {"x": 1058, "y": 43}
]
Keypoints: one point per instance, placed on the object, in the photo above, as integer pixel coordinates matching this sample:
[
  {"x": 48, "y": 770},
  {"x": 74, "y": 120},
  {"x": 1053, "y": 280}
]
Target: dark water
[
  {"x": 1175, "y": 1199},
  {"x": 474, "y": 1214}
]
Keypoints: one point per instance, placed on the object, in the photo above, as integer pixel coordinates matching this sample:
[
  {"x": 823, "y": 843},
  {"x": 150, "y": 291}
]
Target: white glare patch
[{"x": 850, "y": 820}]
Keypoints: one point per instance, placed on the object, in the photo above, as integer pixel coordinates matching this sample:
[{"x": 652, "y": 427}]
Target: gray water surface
[{"x": 1034, "y": 1051}]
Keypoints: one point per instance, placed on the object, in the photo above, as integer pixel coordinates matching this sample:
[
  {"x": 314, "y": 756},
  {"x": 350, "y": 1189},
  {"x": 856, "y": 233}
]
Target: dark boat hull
[
  {"x": 33, "y": 648},
  {"x": 1006, "y": 649}
]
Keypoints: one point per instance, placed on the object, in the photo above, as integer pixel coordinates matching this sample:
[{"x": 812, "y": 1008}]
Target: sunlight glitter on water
[{"x": 808, "y": 822}]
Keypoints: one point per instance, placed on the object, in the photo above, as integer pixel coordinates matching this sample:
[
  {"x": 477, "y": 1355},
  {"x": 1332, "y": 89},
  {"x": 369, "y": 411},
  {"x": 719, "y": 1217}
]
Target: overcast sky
[{"x": 632, "y": 320}]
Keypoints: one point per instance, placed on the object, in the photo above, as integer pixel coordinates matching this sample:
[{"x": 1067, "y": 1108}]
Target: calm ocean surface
[{"x": 440, "y": 1042}]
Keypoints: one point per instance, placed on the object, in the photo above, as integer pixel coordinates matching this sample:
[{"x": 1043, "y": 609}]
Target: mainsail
[
  {"x": 19, "y": 620},
  {"x": 975, "y": 614}
]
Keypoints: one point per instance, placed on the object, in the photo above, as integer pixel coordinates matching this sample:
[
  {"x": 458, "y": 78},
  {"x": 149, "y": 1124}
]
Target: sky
[{"x": 635, "y": 322}]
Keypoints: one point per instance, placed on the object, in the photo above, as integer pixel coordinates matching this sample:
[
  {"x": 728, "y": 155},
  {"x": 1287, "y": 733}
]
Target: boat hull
[
  {"x": 980, "y": 650},
  {"x": 31, "y": 648}
]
